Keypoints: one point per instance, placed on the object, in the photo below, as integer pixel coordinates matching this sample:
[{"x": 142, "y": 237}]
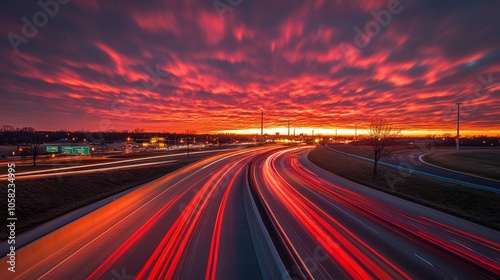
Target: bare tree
[
  {"x": 382, "y": 134},
  {"x": 34, "y": 139}
]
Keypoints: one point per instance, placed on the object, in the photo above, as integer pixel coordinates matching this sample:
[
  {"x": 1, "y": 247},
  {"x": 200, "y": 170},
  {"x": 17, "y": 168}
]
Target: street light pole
[
  {"x": 458, "y": 126},
  {"x": 262, "y": 122},
  {"x": 288, "y": 129}
]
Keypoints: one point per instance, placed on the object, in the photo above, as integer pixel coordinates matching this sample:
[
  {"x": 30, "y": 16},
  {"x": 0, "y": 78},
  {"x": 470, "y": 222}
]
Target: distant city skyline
[{"x": 323, "y": 65}]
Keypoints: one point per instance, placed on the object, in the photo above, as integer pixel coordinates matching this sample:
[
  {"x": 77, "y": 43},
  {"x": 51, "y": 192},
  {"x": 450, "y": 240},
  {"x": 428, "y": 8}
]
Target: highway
[
  {"x": 193, "y": 224},
  {"x": 334, "y": 228},
  {"x": 72, "y": 168},
  {"x": 190, "y": 224}
]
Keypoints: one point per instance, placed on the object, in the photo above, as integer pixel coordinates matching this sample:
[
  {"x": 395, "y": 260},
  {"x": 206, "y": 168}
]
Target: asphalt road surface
[
  {"x": 191, "y": 224},
  {"x": 188, "y": 225},
  {"x": 338, "y": 229}
]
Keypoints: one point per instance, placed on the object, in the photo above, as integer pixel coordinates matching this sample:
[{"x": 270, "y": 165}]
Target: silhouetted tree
[
  {"x": 33, "y": 138},
  {"x": 382, "y": 135}
]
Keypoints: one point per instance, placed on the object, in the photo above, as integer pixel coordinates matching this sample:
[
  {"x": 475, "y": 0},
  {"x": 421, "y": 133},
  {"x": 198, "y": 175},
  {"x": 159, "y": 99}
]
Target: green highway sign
[
  {"x": 52, "y": 149},
  {"x": 78, "y": 150},
  {"x": 82, "y": 150},
  {"x": 67, "y": 150}
]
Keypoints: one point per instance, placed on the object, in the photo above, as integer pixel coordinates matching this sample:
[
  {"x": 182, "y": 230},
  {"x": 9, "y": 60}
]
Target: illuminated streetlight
[
  {"x": 262, "y": 122},
  {"x": 288, "y": 128}
]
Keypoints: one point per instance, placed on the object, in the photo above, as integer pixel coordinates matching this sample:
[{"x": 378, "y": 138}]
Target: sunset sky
[{"x": 210, "y": 65}]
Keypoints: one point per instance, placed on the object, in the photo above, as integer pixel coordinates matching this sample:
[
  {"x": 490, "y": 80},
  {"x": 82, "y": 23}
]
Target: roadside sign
[
  {"x": 52, "y": 149},
  {"x": 82, "y": 150},
  {"x": 78, "y": 150},
  {"x": 67, "y": 150}
]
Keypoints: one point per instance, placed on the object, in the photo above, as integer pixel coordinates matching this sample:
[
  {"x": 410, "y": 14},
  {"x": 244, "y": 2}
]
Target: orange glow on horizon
[{"x": 360, "y": 132}]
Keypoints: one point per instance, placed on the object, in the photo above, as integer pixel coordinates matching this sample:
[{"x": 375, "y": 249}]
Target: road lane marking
[
  {"x": 424, "y": 260},
  {"x": 120, "y": 221},
  {"x": 27, "y": 173}
]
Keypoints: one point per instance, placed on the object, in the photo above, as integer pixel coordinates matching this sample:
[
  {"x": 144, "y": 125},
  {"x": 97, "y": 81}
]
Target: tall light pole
[
  {"x": 458, "y": 126},
  {"x": 262, "y": 122},
  {"x": 288, "y": 129}
]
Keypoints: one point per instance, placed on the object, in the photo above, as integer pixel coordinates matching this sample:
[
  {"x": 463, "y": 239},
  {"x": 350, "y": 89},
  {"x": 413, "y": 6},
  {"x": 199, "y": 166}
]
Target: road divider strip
[{"x": 270, "y": 263}]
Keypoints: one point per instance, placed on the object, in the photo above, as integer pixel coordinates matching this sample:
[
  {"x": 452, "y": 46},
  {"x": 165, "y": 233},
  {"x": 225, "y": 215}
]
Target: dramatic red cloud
[{"x": 178, "y": 65}]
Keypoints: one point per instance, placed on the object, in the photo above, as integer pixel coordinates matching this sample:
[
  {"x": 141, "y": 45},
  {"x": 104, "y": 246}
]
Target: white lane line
[
  {"x": 424, "y": 260},
  {"x": 120, "y": 221},
  {"x": 110, "y": 163},
  {"x": 331, "y": 203},
  {"x": 96, "y": 170}
]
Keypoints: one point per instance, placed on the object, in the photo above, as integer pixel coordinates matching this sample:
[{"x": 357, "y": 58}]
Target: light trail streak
[
  {"x": 354, "y": 255},
  {"x": 352, "y": 259},
  {"x": 96, "y": 170},
  {"x": 190, "y": 171},
  {"x": 411, "y": 226},
  {"x": 3, "y": 177},
  {"x": 98, "y": 273},
  {"x": 165, "y": 260},
  {"x": 214, "y": 246}
]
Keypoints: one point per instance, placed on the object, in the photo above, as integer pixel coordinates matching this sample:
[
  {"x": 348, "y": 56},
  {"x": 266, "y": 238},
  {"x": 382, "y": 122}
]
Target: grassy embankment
[{"x": 478, "y": 206}]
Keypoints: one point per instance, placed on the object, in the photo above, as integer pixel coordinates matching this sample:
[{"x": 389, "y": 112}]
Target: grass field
[
  {"x": 482, "y": 162},
  {"x": 478, "y": 206}
]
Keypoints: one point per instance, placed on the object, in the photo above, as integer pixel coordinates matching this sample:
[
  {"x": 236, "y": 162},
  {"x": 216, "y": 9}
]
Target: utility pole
[
  {"x": 262, "y": 122},
  {"x": 458, "y": 126},
  {"x": 355, "y": 131},
  {"x": 288, "y": 129}
]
